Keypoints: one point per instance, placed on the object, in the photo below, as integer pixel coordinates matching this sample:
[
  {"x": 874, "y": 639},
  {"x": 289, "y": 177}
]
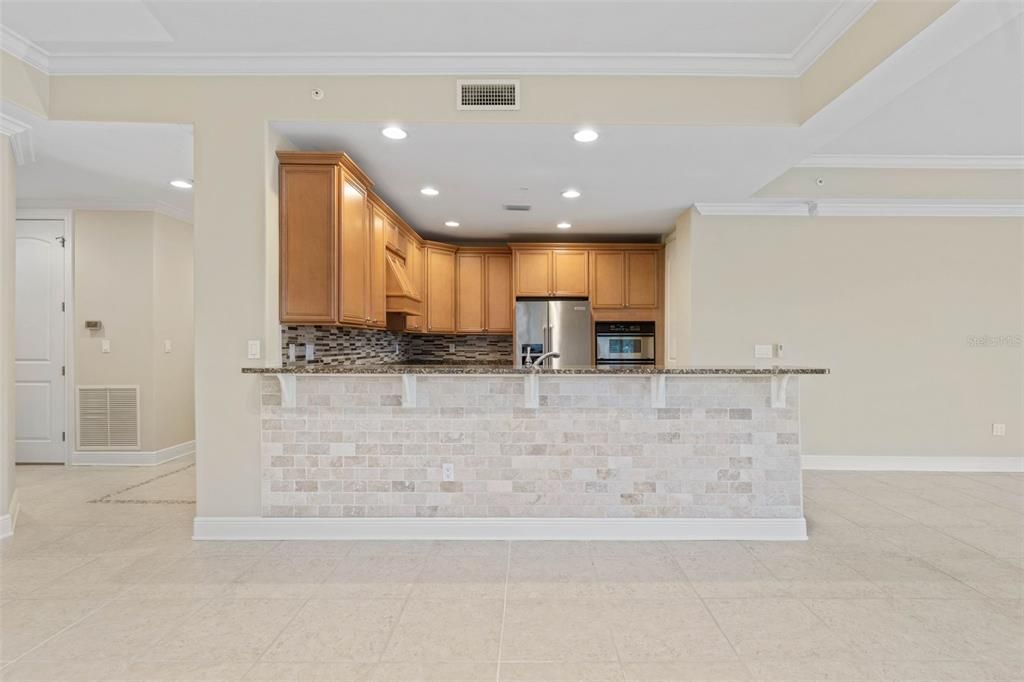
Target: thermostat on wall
[{"x": 93, "y": 325}]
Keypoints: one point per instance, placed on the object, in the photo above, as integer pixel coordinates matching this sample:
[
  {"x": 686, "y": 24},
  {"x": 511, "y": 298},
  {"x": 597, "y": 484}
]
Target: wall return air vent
[
  {"x": 487, "y": 95},
  {"x": 108, "y": 417}
]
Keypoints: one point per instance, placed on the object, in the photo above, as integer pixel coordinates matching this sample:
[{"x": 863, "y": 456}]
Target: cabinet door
[
  {"x": 308, "y": 251},
  {"x": 569, "y": 272},
  {"x": 440, "y": 290},
  {"x": 608, "y": 286},
  {"x": 469, "y": 292},
  {"x": 498, "y": 292},
  {"x": 641, "y": 279},
  {"x": 533, "y": 273},
  {"x": 414, "y": 265},
  {"x": 354, "y": 233},
  {"x": 376, "y": 302}
]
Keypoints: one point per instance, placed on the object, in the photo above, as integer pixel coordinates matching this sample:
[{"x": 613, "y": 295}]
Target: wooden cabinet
[
  {"x": 376, "y": 304},
  {"x": 414, "y": 266},
  {"x": 569, "y": 272},
  {"x": 483, "y": 292},
  {"x": 642, "y": 279},
  {"x": 469, "y": 293},
  {"x": 625, "y": 278},
  {"x": 440, "y": 298},
  {"x": 355, "y": 246},
  {"x": 308, "y": 246},
  {"x": 551, "y": 272},
  {"x": 498, "y": 293}
]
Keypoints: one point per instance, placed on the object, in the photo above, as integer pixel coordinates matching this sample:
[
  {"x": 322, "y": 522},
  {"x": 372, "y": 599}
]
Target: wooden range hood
[{"x": 401, "y": 295}]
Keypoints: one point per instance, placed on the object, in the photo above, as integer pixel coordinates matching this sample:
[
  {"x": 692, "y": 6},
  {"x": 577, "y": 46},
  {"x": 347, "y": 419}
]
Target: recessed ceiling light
[
  {"x": 181, "y": 184},
  {"x": 563, "y": 226},
  {"x": 585, "y": 135},
  {"x": 571, "y": 194},
  {"x": 394, "y": 133},
  {"x": 451, "y": 223},
  {"x": 429, "y": 192}
]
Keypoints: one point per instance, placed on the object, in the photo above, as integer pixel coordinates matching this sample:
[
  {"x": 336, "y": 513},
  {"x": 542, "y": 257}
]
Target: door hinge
[
  {"x": 63, "y": 368},
  {"x": 63, "y": 436},
  {"x": 62, "y": 309}
]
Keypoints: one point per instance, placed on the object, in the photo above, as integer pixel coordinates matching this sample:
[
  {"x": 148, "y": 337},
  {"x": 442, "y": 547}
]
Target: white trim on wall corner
[
  {"x": 911, "y": 463},
  {"x": 9, "y": 521},
  {"x": 916, "y": 162},
  {"x": 259, "y": 528},
  {"x": 24, "y": 49},
  {"x": 849, "y": 208},
  {"x": 133, "y": 457}
]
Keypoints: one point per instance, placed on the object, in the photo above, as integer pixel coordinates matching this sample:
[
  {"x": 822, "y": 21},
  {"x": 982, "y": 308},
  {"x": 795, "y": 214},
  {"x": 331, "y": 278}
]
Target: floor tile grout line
[
  {"x": 504, "y": 609},
  {"x": 59, "y": 632}
]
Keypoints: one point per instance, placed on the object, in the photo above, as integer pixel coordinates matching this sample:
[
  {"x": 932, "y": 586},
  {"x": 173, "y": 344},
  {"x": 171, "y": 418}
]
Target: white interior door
[{"x": 39, "y": 394}]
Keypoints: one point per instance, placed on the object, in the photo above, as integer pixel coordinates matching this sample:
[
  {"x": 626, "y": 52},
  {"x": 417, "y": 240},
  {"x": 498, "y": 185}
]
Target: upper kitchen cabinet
[
  {"x": 308, "y": 243},
  {"x": 376, "y": 302},
  {"x": 625, "y": 278},
  {"x": 546, "y": 272},
  {"x": 440, "y": 262},
  {"x": 328, "y": 248},
  {"x": 355, "y": 238},
  {"x": 483, "y": 291}
]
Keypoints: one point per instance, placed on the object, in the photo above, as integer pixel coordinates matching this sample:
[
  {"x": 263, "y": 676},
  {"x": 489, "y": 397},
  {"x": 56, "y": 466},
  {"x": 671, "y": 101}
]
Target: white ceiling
[
  {"x": 105, "y": 166},
  {"x": 416, "y": 36},
  {"x": 971, "y": 106},
  {"x": 635, "y": 180}
]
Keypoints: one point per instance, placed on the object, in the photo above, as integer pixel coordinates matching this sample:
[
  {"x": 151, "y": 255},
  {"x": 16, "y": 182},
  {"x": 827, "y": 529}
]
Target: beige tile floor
[{"x": 905, "y": 577}]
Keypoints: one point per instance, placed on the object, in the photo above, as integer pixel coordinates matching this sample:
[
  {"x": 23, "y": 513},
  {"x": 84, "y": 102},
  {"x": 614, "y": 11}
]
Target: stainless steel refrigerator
[{"x": 561, "y": 325}]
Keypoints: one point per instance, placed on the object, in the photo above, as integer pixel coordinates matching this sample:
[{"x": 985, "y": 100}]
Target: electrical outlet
[
  {"x": 451, "y": 347},
  {"x": 999, "y": 429},
  {"x": 310, "y": 350},
  {"x": 448, "y": 472},
  {"x": 254, "y": 349},
  {"x": 291, "y": 352},
  {"x": 105, "y": 346},
  {"x": 763, "y": 350}
]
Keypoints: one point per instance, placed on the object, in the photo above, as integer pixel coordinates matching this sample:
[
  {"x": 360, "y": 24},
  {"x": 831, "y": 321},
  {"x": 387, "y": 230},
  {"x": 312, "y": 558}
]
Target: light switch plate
[
  {"x": 167, "y": 345},
  {"x": 448, "y": 472},
  {"x": 763, "y": 350},
  {"x": 999, "y": 429},
  {"x": 105, "y": 345},
  {"x": 310, "y": 351},
  {"x": 254, "y": 349}
]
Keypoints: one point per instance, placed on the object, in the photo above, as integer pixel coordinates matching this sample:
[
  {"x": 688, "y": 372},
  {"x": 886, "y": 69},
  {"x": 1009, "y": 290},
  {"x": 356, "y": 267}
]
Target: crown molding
[
  {"x": 160, "y": 207},
  {"x": 876, "y": 209},
  {"x": 790, "y": 65},
  {"x": 24, "y": 49},
  {"x": 20, "y": 134},
  {"x": 827, "y": 32},
  {"x": 920, "y": 161}
]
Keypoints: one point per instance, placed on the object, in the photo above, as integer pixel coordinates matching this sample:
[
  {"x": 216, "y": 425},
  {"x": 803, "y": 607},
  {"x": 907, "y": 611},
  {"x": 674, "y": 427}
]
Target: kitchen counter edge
[{"x": 492, "y": 370}]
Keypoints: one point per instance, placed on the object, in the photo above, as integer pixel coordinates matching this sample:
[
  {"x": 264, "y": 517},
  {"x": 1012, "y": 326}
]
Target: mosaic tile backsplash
[
  {"x": 594, "y": 448},
  {"x": 352, "y": 346}
]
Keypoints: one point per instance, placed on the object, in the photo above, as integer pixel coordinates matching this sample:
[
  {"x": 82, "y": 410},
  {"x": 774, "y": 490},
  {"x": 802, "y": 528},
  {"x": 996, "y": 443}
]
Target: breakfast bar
[{"x": 440, "y": 451}]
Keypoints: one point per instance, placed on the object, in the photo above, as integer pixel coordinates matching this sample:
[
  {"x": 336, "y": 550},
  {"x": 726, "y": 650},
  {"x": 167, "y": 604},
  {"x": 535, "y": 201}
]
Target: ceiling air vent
[
  {"x": 108, "y": 417},
  {"x": 517, "y": 207},
  {"x": 487, "y": 95}
]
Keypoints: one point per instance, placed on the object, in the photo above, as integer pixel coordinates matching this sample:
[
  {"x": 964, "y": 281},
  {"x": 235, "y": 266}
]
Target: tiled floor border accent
[{"x": 108, "y": 498}]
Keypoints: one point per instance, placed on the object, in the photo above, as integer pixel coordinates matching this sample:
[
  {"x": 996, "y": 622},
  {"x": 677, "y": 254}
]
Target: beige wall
[
  {"x": 888, "y": 304},
  {"x": 678, "y": 292},
  {"x": 133, "y": 272},
  {"x": 7, "y": 248},
  {"x": 173, "y": 373}
]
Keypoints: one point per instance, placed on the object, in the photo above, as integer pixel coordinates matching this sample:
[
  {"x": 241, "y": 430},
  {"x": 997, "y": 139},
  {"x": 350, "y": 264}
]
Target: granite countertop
[{"x": 492, "y": 369}]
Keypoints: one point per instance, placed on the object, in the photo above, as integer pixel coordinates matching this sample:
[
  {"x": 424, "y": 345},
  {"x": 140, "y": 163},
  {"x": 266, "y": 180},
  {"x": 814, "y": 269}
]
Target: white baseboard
[
  {"x": 133, "y": 457},
  {"x": 892, "y": 463},
  {"x": 10, "y": 520},
  {"x": 259, "y": 528}
]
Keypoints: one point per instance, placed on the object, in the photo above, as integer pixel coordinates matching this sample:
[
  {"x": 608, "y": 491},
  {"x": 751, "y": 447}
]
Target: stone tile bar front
[{"x": 449, "y": 454}]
